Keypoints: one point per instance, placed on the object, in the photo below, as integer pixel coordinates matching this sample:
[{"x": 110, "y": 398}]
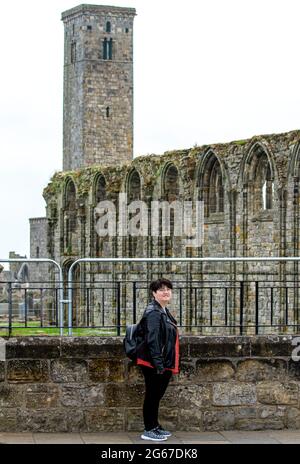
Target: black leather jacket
[{"x": 157, "y": 338}]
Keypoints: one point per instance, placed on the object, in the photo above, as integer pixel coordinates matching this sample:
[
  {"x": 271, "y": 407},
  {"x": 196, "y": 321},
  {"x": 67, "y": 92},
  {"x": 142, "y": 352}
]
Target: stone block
[
  {"x": 278, "y": 393},
  {"x": 118, "y": 395},
  {"x": 80, "y": 396},
  {"x": 215, "y": 347},
  {"x": 213, "y": 371},
  {"x": 107, "y": 370},
  {"x": 190, "y": 420},
  {"x": 218, "y": 419},
  {"x": 33, "y": 348},
  {"x": 251, "y": 370},
  {"x": 51, "y": 420},
  {"x": 134, "y": 419},
  {"x": 187, "y": 396},
  {"x": 168, "y": 417},
  {"x": 271, "y": 346},
  {"x": 259, "y": 424},
  {"x": 92, "y": 347},
  {"x": 105, "y": 419},
  {"x": 67, "y": 371},
  {"x": 42, "y": 396},
  {"x": 233, "y": 394},
  {"x": 11, "y": 395},
  {"x": 292, "y": 420},
  {"x": 9, "y": 420},
  {"x": 27, "y": 371}
]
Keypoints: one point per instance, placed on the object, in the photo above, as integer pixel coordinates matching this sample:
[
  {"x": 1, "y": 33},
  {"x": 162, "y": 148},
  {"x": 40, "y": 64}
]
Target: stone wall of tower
[
  {"x": 98, "y": 89},
  {"x": 38, "y": 249}
]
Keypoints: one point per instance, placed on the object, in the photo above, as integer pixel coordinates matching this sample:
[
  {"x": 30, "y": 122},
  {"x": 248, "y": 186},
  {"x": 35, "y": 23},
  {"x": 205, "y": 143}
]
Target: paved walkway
[{"x": 180, "y": 438}]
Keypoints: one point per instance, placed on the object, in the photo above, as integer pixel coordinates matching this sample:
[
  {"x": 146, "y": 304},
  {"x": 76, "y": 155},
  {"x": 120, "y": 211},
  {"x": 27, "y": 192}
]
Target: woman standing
[{"x": 157, "y": 355}]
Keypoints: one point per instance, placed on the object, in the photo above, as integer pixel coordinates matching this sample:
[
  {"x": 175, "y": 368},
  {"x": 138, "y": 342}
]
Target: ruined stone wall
[
  {"x": 85, "y": 384},
  {"x": 255, "y": 212}
]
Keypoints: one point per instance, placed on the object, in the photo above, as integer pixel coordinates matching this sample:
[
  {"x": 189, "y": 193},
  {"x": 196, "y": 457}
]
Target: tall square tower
[{"x": 98, "y": 86}]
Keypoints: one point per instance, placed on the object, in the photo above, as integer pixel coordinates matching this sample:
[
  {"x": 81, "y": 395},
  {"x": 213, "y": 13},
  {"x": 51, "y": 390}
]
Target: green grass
[{"x": 34, "y": 329}]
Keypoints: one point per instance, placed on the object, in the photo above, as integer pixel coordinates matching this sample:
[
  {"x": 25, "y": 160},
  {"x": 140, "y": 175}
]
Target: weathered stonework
[
  {"x": 258, "y": 216},
  {"x": 98, "y": 86},
  {"x": 97, "y": 389}
]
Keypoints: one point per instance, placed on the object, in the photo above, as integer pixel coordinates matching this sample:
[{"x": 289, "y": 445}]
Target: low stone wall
[{"x": 86, "y": 384}]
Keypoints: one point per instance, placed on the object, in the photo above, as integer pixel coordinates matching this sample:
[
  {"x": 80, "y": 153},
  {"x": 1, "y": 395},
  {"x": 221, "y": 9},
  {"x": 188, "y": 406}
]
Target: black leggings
[{"x": 156, "y": 385}]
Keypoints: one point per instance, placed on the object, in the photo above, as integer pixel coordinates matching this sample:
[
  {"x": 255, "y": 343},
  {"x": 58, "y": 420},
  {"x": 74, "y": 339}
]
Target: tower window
[
  {"x": 126, "y": 30},
  {"x": 37, "y": 252},
  {"x": 89, "y": 28},
  {"x": 73, "y": 29},
  {"x": 107, "y": 112},
  {"x": 108, "y": 26},
  {"x": 73, "y": 52},
  {"x": 107, "y": 49}
]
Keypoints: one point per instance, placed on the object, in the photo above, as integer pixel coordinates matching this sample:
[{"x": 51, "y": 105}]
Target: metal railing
[
  {"x": 59, "y": 289},
  {"x": 242, "y": 285},
  {"x": 213, "y": 304}
]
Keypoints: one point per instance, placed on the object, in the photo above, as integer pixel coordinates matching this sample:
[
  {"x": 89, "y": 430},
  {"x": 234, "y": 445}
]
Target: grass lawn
[{"x": 34, "y": 329}]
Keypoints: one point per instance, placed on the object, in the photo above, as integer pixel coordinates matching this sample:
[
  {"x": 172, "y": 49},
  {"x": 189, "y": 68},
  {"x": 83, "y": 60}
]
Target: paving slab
[
  {"x": 16, "y": 438},
  {"x": 200, "y": 436},
  {"x": 57, "y": 438},
  {"x": 108, "y": 438}
]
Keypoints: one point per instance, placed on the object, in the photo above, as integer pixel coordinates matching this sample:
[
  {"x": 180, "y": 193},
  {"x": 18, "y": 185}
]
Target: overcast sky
[{"x": 205, "y": 72}]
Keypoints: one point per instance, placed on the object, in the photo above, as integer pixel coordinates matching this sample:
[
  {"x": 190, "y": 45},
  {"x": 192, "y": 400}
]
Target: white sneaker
[{"x": 153, "y": 435}]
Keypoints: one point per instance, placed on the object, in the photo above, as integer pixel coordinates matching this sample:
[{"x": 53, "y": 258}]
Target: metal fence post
[{"x": 9, "y": 309}]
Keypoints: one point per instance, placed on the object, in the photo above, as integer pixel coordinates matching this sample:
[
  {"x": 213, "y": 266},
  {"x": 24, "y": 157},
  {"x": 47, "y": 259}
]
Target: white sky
[{"x": 205, "y": 72}]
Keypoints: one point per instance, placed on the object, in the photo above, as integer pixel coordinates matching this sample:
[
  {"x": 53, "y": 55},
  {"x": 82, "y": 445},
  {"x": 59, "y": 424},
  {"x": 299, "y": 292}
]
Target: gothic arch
[
  {"x": 69, "y": 217},
  {"x": 210, "y": 183},
  {"x": 133, "y": 186},
  {"x": 294, "y": 163},
  {"x": 170, "y": 187},
  {"x": 99, "y": 194},
  {"x": 99, "y": 189},
  {"x": 258, "y": 176}
]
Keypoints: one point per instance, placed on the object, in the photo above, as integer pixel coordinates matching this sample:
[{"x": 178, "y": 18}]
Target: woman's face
[{"x": 163, "y": 295}]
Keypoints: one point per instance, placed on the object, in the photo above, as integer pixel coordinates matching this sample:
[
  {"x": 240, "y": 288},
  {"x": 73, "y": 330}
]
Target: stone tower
[{"x": 98, "y": 86}]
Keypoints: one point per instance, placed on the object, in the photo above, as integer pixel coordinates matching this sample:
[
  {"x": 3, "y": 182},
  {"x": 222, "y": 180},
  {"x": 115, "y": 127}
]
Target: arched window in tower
[
  {"x": 37, "y": 252},
  {"x": 261, "y": 182},
  {"x": 70, "y": 216},
  {"x": 212, "y": 189},
  {"x": 108, "y": 26},
  {"x": 107, "y": 49},
  {"x": 133, "y": 194},
  {"x": 107, "y": 112},
  {"x": 170, "y": 194}
]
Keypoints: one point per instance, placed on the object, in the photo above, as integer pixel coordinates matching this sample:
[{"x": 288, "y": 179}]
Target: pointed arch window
[
  {"x": 212, "y": 189},
  {"x": 70, "y": 216},
  {"x": 100, "y": 195},
  {"x": 261, "y": 183},
  {"x": 133, "y": 194}
]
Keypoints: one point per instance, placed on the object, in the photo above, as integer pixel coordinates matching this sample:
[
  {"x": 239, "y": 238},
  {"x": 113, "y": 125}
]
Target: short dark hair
[{"x": 159, "y": 283}]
